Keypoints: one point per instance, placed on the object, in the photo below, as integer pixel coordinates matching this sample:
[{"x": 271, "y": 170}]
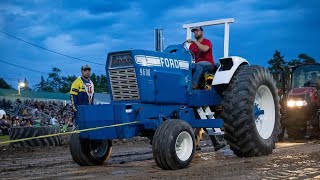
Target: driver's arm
[{"x": 202, "y": 48}]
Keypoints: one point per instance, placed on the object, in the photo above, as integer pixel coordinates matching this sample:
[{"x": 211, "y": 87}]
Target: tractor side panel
[
  {"x": 171, "y": 88},
  {"x": 163, "y": 78},
  {"x": 204, "y": 98},
  {"x": 93, "y": 116}
]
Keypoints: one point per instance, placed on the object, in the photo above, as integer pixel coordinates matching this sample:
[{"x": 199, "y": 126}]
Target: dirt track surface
[{"x": 133, "y": 160}]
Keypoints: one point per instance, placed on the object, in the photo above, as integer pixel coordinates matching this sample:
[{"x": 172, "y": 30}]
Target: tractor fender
[{"x": 228, "y": 66}]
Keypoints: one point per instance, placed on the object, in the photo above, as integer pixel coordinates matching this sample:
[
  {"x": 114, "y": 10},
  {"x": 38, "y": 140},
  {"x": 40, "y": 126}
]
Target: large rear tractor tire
[
  {"x": 86, "y": 152},
  {"x": 173, "y": 145},
  {"x": 16, "y": 133},
  {"x": 282, "y": 134},
  {"x": 251, "y": 112}
]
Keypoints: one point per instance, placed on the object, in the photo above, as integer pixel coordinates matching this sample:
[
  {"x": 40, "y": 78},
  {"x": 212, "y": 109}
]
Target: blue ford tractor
[{"x": 152, "y": 96}]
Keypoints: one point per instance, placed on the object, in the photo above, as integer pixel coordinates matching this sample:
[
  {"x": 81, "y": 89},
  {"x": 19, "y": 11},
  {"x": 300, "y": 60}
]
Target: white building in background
[{"x": 102, "y": 98}]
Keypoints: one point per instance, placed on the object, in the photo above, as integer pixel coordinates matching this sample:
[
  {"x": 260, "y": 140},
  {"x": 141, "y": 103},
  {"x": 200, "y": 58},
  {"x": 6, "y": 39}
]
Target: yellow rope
[{"x": 65, "y": 133}]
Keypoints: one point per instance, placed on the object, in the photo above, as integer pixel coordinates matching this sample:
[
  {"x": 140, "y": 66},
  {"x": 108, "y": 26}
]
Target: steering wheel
[
  {"x": 189, "y": 50},
  {"x": 186, "y": 48}
]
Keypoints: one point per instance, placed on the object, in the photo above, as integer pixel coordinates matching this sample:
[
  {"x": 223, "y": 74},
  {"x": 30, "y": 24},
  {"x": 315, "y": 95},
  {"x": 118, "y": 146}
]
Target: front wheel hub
[
  {"x": 183, "y": 146},
  {"x": 257, "y": 112}
]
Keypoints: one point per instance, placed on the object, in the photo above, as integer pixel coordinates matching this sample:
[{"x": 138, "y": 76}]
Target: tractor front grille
[{"x": 124, "y": 84}]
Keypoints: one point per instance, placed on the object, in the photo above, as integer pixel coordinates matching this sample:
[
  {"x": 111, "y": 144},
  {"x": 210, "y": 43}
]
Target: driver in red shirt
[{"x": 202, "y": 50}]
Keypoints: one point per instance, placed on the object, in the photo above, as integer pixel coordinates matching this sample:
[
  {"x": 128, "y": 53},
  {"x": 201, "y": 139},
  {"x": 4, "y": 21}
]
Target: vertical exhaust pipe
[
  {"x": 158, "y": 33},
  {"x": 283, "y": 80}
]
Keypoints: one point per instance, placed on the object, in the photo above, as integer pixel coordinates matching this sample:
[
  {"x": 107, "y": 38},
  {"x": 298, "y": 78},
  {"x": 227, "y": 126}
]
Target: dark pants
[{"x": 199, "y": 69}]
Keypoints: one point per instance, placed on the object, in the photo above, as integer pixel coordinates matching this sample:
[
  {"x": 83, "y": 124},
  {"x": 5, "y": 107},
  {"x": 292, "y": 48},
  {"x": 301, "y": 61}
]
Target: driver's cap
[
  {"x": 86, "y": 66},
  {"x": 196, "y": 28}
]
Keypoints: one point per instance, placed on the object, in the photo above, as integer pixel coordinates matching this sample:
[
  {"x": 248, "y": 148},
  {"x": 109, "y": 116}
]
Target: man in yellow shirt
[{"x": 82, "y": 89}]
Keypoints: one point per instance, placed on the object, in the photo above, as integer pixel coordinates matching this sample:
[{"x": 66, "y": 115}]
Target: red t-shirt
[{"x": 202, "y": 56}]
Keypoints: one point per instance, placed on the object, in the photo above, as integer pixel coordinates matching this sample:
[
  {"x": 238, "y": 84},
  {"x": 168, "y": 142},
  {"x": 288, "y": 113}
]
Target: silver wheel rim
[
  {"x": 265, "y": 118},
  {"x": 184, "y": 146}
]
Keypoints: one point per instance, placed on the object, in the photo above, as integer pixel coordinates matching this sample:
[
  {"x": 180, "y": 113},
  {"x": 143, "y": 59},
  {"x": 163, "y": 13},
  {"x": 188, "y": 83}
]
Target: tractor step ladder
[{"x": 206, "y": 113}]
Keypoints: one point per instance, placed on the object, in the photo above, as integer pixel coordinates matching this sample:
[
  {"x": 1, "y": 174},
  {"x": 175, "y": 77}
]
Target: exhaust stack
[{"x": 158, "y": 33}]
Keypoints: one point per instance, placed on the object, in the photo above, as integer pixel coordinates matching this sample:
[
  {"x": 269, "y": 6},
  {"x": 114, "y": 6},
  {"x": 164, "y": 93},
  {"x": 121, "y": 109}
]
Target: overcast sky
[{"x": 90, "y": 29}]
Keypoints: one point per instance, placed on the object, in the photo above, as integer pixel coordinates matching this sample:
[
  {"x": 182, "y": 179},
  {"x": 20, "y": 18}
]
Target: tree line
[
  {"x": 55, "y": 82},
  {"x": 278, "y": 59}
]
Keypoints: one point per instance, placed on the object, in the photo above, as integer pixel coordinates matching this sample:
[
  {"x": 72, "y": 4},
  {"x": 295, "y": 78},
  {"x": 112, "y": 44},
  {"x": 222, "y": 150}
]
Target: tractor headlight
[
  {"x": 291, "y": 103},
  {"x": 297, "y": 103},
  {"x": 301, "y": 103},
  {"x": 121, "y": 60}
]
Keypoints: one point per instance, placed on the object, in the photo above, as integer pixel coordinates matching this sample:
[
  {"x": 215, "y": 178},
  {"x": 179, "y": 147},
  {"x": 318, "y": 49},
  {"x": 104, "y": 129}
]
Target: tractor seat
[{"x": 208, "y": 76}]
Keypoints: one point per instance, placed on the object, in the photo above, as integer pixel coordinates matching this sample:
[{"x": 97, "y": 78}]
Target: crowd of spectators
[{"x": 35, "y": 113}]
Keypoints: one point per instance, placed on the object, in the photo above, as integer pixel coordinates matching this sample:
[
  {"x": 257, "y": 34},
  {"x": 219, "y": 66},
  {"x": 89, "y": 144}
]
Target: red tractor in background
[{"x": 300, "y": 102}]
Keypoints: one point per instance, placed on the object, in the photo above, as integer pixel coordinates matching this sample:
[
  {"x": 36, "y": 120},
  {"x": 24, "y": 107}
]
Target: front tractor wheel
[
  {"x": 86, "y": 152},
  {"x": 251, "y": 112},
  {"x": 173, "y": 145}
]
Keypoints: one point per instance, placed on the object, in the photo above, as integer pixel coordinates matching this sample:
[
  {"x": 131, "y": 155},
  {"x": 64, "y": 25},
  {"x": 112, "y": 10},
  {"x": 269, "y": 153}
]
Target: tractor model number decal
[
  {"x": 151, "y": 61},
  {"x": 145, "y": 72}
]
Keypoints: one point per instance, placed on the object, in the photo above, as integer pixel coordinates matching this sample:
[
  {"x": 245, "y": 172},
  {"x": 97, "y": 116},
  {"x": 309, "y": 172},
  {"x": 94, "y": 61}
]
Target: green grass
[{"x": 4, "y": 138}]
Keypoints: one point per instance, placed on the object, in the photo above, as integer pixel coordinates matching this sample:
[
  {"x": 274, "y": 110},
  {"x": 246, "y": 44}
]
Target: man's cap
[
  {"x": 197, "y": 28},
  {"x": 85, "y": 67},
  {"x": 313, "y": 73}
]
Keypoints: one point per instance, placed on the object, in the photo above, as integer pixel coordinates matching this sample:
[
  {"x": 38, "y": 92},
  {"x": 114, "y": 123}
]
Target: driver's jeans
[{"x": 199, "y": 69}]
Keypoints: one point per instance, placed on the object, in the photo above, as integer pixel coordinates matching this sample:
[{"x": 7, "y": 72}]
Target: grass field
[{"x": 4, "y": 138}]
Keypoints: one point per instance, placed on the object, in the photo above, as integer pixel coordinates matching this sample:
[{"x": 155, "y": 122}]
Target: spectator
[
  {"x": 16, "y": 121},
  {"x": 54, "y": 121},
  {"x": 4, "y": 126},
  {"x": 34, "y": 112}
]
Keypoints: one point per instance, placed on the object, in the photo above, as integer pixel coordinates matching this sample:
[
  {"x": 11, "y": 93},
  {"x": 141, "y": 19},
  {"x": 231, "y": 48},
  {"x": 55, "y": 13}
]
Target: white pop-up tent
[{"x": 2, "y": 113}]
